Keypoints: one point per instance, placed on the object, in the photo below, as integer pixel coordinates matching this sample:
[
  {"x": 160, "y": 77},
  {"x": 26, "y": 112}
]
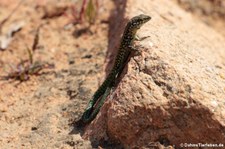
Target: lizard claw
[{"x": 137, "y": 38}]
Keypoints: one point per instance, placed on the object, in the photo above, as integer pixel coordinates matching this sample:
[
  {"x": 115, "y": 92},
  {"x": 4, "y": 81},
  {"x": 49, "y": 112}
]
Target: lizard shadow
[{"x": 115, "y": 32}]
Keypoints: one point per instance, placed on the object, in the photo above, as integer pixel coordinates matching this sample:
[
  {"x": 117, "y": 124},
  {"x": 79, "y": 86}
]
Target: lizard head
[{"x": 137, "y": 21}]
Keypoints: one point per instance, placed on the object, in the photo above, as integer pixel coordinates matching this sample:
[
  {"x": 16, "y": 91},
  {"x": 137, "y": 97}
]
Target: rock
[{"x": 173, "y": 93}]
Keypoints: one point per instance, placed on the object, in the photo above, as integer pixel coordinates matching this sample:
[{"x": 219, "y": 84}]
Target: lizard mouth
[{"x": 146, "y": 18}]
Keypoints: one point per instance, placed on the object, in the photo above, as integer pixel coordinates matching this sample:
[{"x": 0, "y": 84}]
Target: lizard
[{"x": 125, "y": 48}]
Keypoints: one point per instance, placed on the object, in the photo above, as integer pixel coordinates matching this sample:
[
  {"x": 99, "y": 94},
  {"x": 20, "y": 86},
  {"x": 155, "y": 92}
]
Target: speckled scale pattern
[{"x": 123, "y": 53}]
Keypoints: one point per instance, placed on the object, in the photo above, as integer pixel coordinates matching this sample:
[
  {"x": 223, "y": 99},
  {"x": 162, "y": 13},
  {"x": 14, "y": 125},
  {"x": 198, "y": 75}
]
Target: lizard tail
[{"x": 91, "y": 112}]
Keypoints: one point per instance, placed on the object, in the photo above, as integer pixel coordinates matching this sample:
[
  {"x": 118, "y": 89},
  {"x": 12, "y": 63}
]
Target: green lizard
[{"x": 126, "y": 46}]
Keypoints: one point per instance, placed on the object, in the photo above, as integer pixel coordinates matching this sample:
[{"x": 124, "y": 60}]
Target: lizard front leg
[{"x": 135, "y": 50}]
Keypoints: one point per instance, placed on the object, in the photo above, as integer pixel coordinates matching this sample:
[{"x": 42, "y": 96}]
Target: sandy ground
[{"x": 38, "y": 113}]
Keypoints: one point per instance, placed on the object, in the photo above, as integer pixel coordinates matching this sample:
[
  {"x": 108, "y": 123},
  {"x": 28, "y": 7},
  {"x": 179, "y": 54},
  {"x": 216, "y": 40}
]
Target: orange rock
[{"x": 166, "y": 93}]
